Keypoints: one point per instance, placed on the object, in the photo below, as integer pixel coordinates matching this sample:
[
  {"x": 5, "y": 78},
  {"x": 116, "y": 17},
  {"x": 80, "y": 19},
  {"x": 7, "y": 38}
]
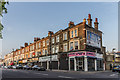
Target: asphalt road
[{"x": 29, "y": 74}]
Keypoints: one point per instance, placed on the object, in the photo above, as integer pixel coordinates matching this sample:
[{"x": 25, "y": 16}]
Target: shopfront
[
  {"x": 84, "y": 61},
  {"x": 45, "y": 62}
]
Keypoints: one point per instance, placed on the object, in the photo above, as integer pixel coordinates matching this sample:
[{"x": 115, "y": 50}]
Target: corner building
[{"x": 78, "y": 48}]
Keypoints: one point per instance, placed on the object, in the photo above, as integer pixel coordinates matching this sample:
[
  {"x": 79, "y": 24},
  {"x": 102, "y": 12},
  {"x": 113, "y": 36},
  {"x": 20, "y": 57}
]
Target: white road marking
[
  {"x": 64, "y": 77},
  {"x": 41, "y": 73},
  {"x": 114, "y": 74},
  {"x": 38, "y": 73}
]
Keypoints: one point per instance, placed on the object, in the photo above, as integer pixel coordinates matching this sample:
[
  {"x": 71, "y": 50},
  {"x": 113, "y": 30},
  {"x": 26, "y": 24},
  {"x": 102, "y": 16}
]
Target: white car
[
  {"x": 5, "y": 67},
  {"x": 14, "y": 67}
]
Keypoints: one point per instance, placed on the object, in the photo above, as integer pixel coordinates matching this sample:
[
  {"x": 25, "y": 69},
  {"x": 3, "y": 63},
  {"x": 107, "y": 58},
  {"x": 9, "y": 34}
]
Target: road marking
[
  {"x": 38, "y": 73},
  {"x": 114, "y": 74},
  {"x": 41, "y": 73},
  {"x": 64, "y": 77}
]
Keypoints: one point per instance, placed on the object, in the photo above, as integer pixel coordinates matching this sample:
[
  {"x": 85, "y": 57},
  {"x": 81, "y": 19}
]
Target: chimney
[
  {"x": 84, "y": 21},
  {"x": 26, "y": 44},
  {"x": 96, "y": 23},
  {"x": 89, "y": 20},
  {"x": 50, "y": 32},
  {"x": 35, "y": 39},
  {"x": 38, "y": 39},
  {"x": 21, "y": 47},
  {"x": 71, "y": 24}
]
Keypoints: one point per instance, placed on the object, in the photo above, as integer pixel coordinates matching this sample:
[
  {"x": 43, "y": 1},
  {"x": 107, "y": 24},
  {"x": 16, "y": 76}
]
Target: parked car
[
  {"x": 9, "y": 67},
  {"x": 14, "y": 67},
  {"x": 19, "y": 66},
  {"x": 116, "y": 68},
  {"x": 39, "y": 68},
  {"x": 26, "y": 67},
  {"x": 5, "y": 67}
]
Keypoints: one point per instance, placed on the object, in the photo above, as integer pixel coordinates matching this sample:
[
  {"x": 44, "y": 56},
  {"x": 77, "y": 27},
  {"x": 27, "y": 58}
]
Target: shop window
[{"x": 71, "y": 45}]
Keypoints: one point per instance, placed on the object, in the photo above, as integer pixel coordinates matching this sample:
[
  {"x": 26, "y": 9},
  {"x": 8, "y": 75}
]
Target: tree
[{"x": 3, "y": 10}]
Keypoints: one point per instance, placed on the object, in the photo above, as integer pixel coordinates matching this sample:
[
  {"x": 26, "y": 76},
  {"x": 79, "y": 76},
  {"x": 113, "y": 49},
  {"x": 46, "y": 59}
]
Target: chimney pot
[
  {"x": 89, "y": 16},
  {"x": 26, "y": 44},
  {"x": 71, "y": 23},
  {"x": 89, "y": 20},
  {"x": 96, "y": 23},
  {"x": 96, "y": 20},
  {"x": 84, "y": 20}
]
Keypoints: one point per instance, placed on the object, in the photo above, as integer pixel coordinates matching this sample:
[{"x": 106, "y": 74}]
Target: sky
[{"x": 26, "y": 20}]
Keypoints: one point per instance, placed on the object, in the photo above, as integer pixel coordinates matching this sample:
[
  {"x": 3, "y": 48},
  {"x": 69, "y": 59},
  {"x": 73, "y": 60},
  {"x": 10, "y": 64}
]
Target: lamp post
[
  {"x": 114, "y": 55},
  {"x": 50, "y": 51}
]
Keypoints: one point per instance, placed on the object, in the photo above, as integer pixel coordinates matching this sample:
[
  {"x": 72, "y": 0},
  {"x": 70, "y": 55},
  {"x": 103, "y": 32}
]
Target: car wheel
[{"x": 113, "y": 71}]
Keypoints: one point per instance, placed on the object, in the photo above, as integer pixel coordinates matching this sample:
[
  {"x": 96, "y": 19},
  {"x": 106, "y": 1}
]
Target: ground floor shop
[
  {"x": 85, "y": 61},
  {"x": 49, "y": 62}
]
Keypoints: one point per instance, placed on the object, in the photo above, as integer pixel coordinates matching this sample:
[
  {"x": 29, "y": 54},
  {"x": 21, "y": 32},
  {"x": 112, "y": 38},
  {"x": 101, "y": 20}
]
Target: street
[{"x": 13, "y": 73}]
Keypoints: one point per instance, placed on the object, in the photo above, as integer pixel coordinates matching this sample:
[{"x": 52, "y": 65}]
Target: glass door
[{"x": 79, "y": 64}]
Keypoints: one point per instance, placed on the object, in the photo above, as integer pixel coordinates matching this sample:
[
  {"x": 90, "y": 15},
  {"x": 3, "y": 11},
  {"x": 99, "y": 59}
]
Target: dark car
[
  {"x": 26, "y": 67},
  {"x": 116, "y": 68},
  {"x": 9, "y": 67},
  {"x": 19, "y": 66},
  {"x": 39, "y": 68}
]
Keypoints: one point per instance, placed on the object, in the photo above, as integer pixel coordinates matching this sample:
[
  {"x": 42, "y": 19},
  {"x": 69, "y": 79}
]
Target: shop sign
[
  {"x": 99, "y": 55},
  {"x": 47, "y": 58},
  {"x": 81, "y": 54}
]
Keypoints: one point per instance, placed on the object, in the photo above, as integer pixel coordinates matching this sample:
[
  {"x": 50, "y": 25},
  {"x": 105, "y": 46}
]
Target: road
[{"x": 13, "y": 73}]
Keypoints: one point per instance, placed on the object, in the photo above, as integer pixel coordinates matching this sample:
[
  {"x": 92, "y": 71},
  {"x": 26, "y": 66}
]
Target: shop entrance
[
  {"x": 79, "y": 64},
  {"x": 91, "y": 64},
  {"x": 71, "y": 63}
]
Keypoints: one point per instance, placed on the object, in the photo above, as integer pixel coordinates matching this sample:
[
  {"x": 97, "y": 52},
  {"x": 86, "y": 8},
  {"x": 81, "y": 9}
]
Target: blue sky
[{"x": 26, "y": 20}]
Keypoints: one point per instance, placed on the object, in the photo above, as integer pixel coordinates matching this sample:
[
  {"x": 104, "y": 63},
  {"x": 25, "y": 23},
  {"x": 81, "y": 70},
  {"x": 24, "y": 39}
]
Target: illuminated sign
[{"x": 81, "y": 54}]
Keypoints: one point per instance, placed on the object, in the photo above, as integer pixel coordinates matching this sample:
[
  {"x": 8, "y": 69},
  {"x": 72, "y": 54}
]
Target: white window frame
[
  {"x": 65, "y": 36},
  {"x": 57, "y": 49},
  {"x": 76, "y": 31},
  {"x": 53, "y": 40},
  {"x": 65, "y": 47},
  {"x": 44, "y": 43},
  {"x": 39, "y": 45},
  {"x": 47, "y": 41},
  {"x": 57, "y": 38}
]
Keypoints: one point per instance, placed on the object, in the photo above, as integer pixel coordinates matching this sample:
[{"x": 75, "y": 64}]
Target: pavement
[{"x": 58, "y": 74}]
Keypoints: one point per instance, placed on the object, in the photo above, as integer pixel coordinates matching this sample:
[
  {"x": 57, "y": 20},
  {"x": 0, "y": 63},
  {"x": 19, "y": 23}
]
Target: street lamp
[
  {"x": 114, "y": 55},
  {"x": 50, "y": 51}
]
